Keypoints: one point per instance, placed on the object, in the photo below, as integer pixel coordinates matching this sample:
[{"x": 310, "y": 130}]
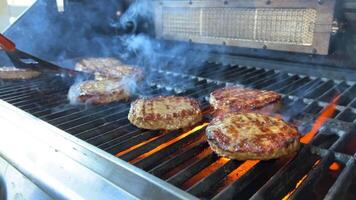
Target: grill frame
[{"x": 325, "y": 145}]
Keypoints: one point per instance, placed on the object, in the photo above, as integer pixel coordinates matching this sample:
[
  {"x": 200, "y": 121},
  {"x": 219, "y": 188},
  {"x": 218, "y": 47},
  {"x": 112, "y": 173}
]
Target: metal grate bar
[
  {"x": 269, "y": 80},
  {"x": 298, "y": 84},
  {"x": 257, "y": 77},
  {"x": 300, "y": 92},
  {"x": 42, "y": 99},
  {"x": 119, "y": 113},
  {"x": 176, "y": 147},
  {"x": 320, "y": 90},
  {"x": 203, "y": 186},
  {"x": 336, "y": 90},
  {"x": 256, "y": 72},
  {"x": 347, "y": 115},
  {"x": 222, "y": 73},
  {"x": 149, "y": 146},
  {"x": 126, "y": 141},
  {"x": 304, "y": 190},
  {"x": 348, "y": 96},
  {"x": 285, "y": 178},
  {"x": 281, "y": 83},
  {"x": 168, "y": 165},
  {"x": 193, "y": 169},
  {"x": 82, "y": 119},
  {"x": 344, "y": 182},
  {"x": 75, "y": 115},
  {"x": 325, "y": 139}
]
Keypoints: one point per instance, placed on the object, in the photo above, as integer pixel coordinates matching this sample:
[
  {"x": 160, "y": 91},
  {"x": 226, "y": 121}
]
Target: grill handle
[{"x": 7, "y": 44}]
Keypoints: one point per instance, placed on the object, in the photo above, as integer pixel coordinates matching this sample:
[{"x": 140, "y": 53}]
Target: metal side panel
[
  {"x": 65, "y": 167},
  {"x": 14, "y": 185}
]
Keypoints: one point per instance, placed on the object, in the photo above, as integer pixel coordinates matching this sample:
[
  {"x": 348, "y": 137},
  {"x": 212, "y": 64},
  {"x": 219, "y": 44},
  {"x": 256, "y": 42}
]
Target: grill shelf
[{"x": 185, "y": 160}]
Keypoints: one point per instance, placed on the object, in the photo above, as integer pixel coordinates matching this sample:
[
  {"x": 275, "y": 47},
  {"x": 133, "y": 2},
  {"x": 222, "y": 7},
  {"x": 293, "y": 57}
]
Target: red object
[{"x": 7, "y": 44}]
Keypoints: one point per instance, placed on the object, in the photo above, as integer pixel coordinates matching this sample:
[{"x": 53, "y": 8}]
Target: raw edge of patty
[
  {"x": 13, "y": 73},
  {"x": 109, "y": 68},
  {"x": 120, "y": 72},
  {"x": 91, "y": 65},
  {"x": 98, "y": 92},
  {"x": 159, "y": 113},
  {"x": 237, "y": 99},
  {"x": 252, "y": 136}
]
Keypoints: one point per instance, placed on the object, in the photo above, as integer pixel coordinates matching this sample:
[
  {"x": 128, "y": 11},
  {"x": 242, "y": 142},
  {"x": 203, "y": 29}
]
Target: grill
[{"x": 324, "y": 168}]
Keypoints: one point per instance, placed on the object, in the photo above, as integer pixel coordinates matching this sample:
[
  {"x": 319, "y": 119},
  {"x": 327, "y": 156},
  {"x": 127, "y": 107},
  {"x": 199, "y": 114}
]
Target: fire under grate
[{"x": 324, "y": 168}]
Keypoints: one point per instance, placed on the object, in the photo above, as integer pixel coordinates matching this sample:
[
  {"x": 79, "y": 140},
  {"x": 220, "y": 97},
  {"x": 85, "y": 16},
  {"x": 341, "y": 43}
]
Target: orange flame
[
  {"x": 296, "y": 186},
  {"x": 335, "y": 166},
  {"x": 135, "y": 147},
  {"x": 298, "y": 183},
  {"x": 326, "y": 114},
  {"x": 168, "y": 143},
  {"x": 242, "y": 169},
  {"x": 206, "y": 171}
]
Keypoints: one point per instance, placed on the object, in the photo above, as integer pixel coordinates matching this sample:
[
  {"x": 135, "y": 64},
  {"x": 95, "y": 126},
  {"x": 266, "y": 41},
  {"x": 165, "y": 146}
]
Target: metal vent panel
[
  {"x": 300, "y": 26},
  {"x": 284, "y": 26}
]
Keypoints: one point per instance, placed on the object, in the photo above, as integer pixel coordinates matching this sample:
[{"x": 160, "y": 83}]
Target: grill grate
[{"x": 184, "y": 158}]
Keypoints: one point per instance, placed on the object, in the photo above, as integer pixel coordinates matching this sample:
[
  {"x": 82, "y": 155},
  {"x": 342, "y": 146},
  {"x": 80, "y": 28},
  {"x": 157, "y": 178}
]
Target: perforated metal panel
[{"x": 292, "y": 27}]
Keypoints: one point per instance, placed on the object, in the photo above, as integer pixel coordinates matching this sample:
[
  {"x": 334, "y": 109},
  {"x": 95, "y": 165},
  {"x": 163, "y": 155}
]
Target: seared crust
[
  {"x": 245, "y": 136},
  {"x": 120, "y": 72},
  {"x": 92, "y": 65},
  {"x": 17, "y": 73},
  {"x": 237, "y": 99},
  {"x": 109, "y": 68},
  {"x": 98, "y": 92},
  {"x": 165, "y": 113}
]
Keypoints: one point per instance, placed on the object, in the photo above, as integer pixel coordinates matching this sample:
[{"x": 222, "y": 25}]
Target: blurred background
[{"x": 10, "y": 10}]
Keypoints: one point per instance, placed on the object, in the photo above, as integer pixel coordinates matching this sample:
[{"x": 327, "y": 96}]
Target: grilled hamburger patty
[
  {"x": 92, "y": 65},
  {"x": 236, "y": 99},
  {"x": 255, "y": 136},
  {"x": 17, "y": 73},
  {"x": 98, "y": 92},
  {"x": 109, "y": 68},
  {"x": 120, "y": 72},
  {"x": 167, "y": 113}
]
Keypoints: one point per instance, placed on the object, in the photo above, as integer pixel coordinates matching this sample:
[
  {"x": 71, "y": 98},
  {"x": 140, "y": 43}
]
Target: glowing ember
[
  {"x": 296, "y": 186},
  {"x": 299, "y": 182},
  {"x": 245, "y": 167},
  {"x": 335, "y": 166},
  {"x": 205, "y": 172},
  {"x": 326, "y": 114},
  {"x": 168, "y": 143},
  {"x": 135, "y": 147}
]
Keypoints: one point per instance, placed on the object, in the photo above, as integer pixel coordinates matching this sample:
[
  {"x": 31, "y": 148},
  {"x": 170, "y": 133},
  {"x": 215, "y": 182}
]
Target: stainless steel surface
[
  {"x": 14, "y": 185},
  {"x": 65, "y": 167},
  {"x": 296, "y": 26}
]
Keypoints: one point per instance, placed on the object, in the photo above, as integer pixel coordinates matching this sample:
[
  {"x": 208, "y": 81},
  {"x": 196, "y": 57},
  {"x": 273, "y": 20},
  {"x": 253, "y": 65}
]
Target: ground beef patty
[
  {"x": 109, "y": 68},
  {"x": 237, "y": 99},
  {"x": 120, "y": 72},
  {"x": 17, "y": 73},
  {"x": 251, "y": 136},
  {"x": 165, "y": 113},
  {"x": 98, "y": 92},
  {"x": 92, "y": 65}
]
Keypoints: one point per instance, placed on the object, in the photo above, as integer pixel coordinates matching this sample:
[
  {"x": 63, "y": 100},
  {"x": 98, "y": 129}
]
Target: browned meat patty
[
  {"x": 98, "y": 92},
  {"x": 120, "y": 72},
  {"x": 109, "y": 68},
  {"x": 17, "y": 73},
  {"x": 165, "y": 113},
  {"x": 237, "y": 99},
  {"x": 92, "y": 65},
  {"x": 252, "y": 136}
]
